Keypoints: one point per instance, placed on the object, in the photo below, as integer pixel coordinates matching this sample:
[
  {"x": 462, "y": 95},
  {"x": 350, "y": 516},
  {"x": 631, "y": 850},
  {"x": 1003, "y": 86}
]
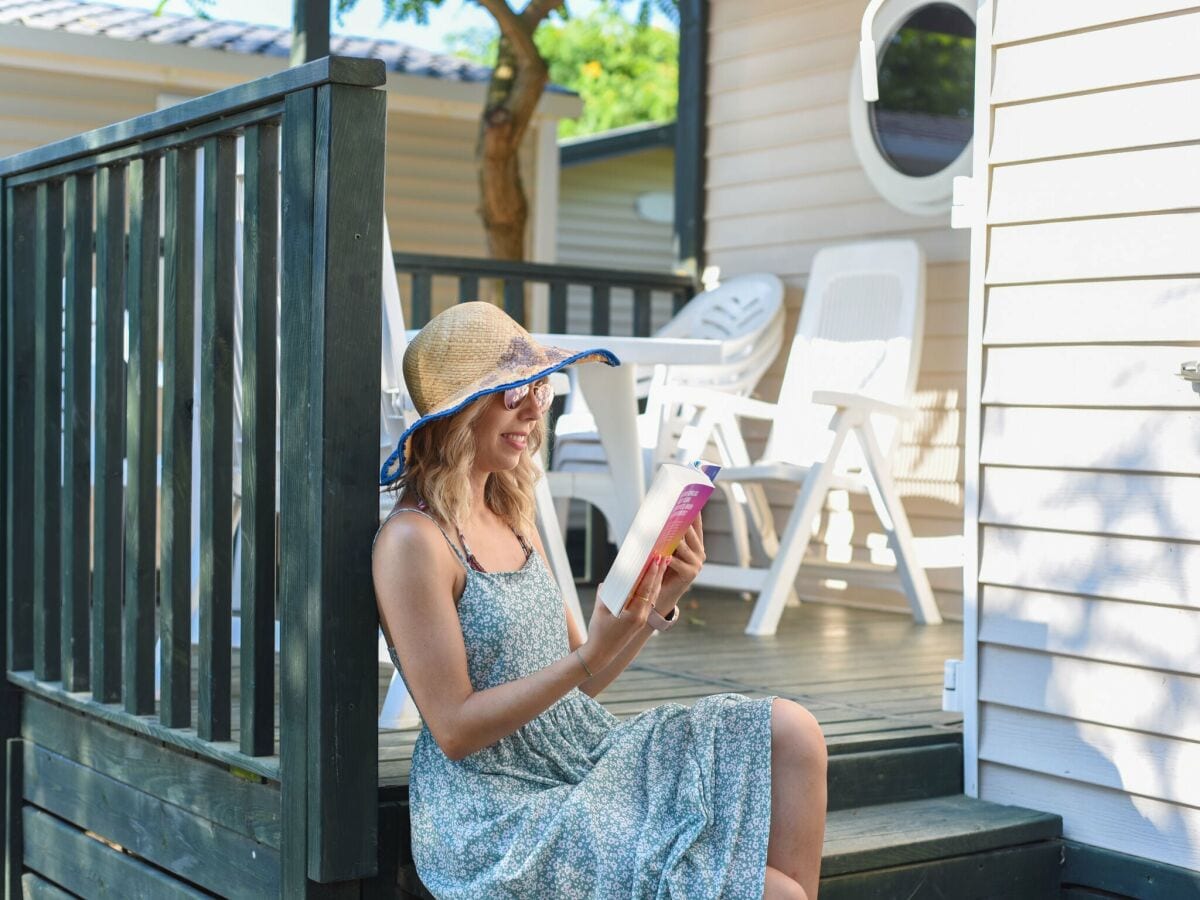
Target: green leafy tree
[
  {"x": 520, "y": 74},
  {"x": 625, "y": 73}
]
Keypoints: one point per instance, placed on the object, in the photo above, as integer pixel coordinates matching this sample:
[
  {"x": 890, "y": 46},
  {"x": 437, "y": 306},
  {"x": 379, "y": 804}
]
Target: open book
[{"x": 674, "y": 499}]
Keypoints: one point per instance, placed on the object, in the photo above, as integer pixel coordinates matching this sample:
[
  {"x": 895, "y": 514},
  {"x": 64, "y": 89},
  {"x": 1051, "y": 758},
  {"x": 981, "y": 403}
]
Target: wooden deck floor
[{"x": 872, "y": 679}]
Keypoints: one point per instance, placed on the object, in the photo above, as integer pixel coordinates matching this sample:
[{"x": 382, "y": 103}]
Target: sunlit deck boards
[{"x": 872, "y": 679}]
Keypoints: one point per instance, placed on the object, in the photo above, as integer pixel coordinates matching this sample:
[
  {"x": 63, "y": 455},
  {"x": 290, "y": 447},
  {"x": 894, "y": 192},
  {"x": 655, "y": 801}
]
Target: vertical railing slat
[
  {"x": 22, "y": 221},
  {"x": 47, "y": 430},
  {"x": 601, "y": 309},
  {"x": 514, "y": 298},
  {"x": 141, "y": 422},
  {"x": 179, "y": 322},
  {"x": 216, "y": 438},
  {"x": 422, "y": 298},
  {"x": 641, "y": 312},
  {"x": 297, "y": 510},
  {"x": 468, "y": 288},
  {"x": 260, "y": 257},
  {"x": 558, "y": 307},
  {"x": 76, "y": 546},
  {"x": 109, "y": 435}
]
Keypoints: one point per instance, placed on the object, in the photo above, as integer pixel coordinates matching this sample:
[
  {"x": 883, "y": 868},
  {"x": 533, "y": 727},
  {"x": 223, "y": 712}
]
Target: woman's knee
[
  {"x": 778, "y": 886},
  {"x": 796, "y": 734}
]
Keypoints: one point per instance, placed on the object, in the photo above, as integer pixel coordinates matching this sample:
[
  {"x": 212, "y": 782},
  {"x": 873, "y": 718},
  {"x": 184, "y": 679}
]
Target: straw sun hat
[{"x": 470, "y": 350}]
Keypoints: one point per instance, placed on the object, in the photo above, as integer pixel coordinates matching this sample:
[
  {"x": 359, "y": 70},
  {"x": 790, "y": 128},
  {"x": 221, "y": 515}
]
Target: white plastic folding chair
[
  {"x": 746, "y": 313},
  {"x": 851, "y": 372}
]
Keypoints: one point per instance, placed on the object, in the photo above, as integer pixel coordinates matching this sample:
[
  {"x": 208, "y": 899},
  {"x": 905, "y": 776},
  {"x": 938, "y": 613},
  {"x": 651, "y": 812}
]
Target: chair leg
[
  {"x": 398, "y": 711},
  {"x": 890, "y": 510},
  {"x": 780, "y": 581},
  {"x": 552, "y": 539}
]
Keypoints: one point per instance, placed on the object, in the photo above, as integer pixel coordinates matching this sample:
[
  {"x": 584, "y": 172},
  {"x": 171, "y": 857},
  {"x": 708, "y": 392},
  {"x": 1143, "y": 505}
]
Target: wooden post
[
  {"x": 690, "y": 133},
  {"x": 329, "y": 380},
  {"x": 310, "y": 30}
]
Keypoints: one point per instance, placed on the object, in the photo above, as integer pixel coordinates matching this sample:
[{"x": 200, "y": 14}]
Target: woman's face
[{"x": 501, "y": 434}]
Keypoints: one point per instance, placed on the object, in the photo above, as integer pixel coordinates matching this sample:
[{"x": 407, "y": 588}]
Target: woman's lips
[{"x": 517, "y": 441}]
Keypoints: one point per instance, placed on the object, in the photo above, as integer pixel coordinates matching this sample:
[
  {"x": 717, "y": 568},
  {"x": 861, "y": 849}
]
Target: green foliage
[
  {"x": 928, "y": 72},
  {"x": 625, "y": 73}
]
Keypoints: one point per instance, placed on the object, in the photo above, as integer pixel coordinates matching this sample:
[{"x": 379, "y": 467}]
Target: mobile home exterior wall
[{"x": 1085, "y": 300}]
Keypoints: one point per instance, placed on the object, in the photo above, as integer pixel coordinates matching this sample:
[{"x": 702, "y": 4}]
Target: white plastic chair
[
  {"x": 850, "y": 377},
  {"x": 745, "y": 312}
]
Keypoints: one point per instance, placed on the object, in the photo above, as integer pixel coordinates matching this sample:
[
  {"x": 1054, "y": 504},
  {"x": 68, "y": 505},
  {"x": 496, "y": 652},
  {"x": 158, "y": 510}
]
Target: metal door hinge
[
  {"x": 951, "y": 698},
  {"x": 1190, "y": 371}
]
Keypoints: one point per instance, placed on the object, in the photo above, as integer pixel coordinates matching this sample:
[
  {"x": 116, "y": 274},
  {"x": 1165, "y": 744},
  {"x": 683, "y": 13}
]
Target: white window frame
[{"x": 928, "y": 195}]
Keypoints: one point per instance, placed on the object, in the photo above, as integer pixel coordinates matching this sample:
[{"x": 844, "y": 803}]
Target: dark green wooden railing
[
  {"x": 468, "y": 272},
  {"x": 84, "y": 213}
]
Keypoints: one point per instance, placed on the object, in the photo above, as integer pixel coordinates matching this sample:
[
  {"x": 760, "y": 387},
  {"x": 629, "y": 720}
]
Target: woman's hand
[
  {"x": 608, "y": 634},
  {"x": 684, "y": 567}
]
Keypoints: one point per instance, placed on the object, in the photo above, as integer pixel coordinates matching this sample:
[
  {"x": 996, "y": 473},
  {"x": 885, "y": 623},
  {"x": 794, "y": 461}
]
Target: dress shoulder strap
[{"x": 421, "y": 512}]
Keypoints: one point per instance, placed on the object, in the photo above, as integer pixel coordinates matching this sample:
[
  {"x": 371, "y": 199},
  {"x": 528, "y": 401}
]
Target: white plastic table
[{"x": 611, "y": 395}]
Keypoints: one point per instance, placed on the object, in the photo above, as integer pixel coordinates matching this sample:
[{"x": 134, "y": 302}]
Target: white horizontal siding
[
  {"x": 1093, "y": 312},
  {"x": 1112, "y": 819},
  {"x": 1121, "y": 568},
  {"x": 1145, "y": 764},
  {"x": 1149, "y": 50},
  {"x": 1021, "y": 20}
]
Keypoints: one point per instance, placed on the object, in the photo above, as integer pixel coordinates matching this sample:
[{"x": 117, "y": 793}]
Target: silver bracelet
[{"x": 582, "y": 663}]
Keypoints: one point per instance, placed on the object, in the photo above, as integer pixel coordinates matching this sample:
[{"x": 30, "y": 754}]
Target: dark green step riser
[
  {"x": 1026, "y": 872},
  {"x": 892, "y": 776}
]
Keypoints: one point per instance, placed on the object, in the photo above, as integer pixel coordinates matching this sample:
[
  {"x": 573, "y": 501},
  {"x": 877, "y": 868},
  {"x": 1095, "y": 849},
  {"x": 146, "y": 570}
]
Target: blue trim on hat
[{"x": 397, "y": 455}]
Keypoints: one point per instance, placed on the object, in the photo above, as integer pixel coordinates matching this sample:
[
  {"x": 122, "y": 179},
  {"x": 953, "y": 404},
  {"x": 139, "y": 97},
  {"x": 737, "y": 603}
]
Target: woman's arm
[
  {"x": 415, "y": 577},
  {"x": 684, "y": 567}
]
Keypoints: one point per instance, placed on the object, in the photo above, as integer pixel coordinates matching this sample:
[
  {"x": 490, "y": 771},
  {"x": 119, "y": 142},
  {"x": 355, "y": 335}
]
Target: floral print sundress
[{"x": 672, "y": 803}]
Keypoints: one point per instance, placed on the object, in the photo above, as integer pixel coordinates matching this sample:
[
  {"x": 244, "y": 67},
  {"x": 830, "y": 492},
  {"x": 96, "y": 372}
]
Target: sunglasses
[{"x": 543, "y": 394}]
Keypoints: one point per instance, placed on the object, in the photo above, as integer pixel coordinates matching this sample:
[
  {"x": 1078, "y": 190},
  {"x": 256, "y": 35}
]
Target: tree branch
[
  {"x": 537, "y": 10},
  {"x": 513, "y": 28}
]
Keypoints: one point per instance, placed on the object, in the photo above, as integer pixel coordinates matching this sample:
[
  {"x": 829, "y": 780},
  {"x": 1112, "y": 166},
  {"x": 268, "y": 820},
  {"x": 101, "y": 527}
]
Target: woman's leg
[
  {"x": 798, "y": 791},
  {"x": 779, "y": 887}
]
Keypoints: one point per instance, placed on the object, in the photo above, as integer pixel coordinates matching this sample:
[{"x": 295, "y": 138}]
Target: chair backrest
[
  {"x": 746, "y": 313},
  {"x": 859, "y": 332}
]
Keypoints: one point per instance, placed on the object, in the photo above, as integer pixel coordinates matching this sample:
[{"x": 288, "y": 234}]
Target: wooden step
[
  {"x": 941, "y": 847},
  {"x": 894, "y": 775}
]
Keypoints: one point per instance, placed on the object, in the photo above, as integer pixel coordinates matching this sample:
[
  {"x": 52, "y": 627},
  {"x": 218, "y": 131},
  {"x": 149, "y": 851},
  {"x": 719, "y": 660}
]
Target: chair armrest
[
  {"x": 860, "y": 402},
  {"x": 742, "y": 407}
]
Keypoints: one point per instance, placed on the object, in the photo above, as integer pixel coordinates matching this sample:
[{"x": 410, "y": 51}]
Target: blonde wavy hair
[{"x": 439, "y": 469}]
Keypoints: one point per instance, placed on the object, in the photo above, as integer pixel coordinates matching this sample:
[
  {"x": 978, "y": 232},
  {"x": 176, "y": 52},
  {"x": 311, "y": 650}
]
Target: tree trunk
[{"x": 516, "y": 86}]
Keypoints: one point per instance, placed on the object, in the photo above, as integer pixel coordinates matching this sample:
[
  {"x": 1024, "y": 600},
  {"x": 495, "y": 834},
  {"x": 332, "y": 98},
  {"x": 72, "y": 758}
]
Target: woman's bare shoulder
[{"x": 412, "y": 545}]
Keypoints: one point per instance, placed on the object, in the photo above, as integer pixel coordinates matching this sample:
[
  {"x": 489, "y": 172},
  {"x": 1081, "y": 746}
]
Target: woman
[{"x": 523, "y": 785}]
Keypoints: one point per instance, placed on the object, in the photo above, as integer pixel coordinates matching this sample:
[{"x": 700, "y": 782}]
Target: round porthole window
[{"x": 916, "y": 138}]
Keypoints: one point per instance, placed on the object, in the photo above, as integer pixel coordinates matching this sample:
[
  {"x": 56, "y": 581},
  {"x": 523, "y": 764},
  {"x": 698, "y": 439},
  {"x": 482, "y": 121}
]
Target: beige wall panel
[
  {"x": 1019, "y": 20},
  {"x": 1133, "y": 440},
  {"x": 1108, "y": 120},
  {"x": 747, "y": 165},
  {"x": 783, "y": 180},
  {"x": 810, "y": 89},
  {"x": 1105, "y": 375},
  {"x": 816, "y": 123},
  {"x": 1135, "y": 53},
  {"x": 1111, "y": 631},
  {"x": 1141, "y": 571},
  {"x": 792, "y": 193},
  {"x": 796, "y": 25},
  {"x": 780, "y": 65},
  {"x": 789, "y": 259},
  {"x": 1162, "y": 506},
  {"x": 1160, "y": 309},
  {"x": 1104, "y": 693},
  {"x": 1158, "y": 180},
  {"x": 1105, "y": 818}
]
